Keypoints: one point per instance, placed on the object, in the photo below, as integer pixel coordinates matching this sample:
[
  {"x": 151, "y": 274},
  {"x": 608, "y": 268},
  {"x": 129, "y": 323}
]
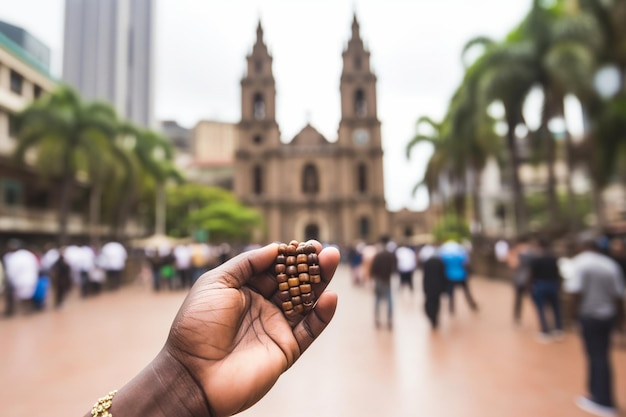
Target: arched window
[
  {"x": 257, "y": 139},
  {"x": 364, "y": 228},
  {"x": 361, "y": 178},
  {"x": 360, "y": 107},
  {"x": 259, "y": 107},
  {"x": 310, "y": 180},
  {"x": 257, "y": 180},
  {"x": 311, "y": 231}
]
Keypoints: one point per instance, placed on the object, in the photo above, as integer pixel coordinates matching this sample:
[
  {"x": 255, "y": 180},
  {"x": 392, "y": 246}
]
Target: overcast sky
[{"x": 201, "y": 47}]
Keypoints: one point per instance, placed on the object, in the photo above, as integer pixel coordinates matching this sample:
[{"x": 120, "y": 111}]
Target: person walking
[
  {"x": 434, "y": 284},
  {"x": 597, "y": 286},
  {"x": 545, "y": 286},
  {"x": 518, "y": 260},
  {"x": 383, "y": 265},
  {"x": 61, "y": 277},
  {"x": 407, "y": 263},
  {"x": 456, "y": 263}
]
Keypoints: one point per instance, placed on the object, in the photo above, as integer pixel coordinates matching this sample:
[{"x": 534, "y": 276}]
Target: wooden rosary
[{"x": 296, "y": 269}]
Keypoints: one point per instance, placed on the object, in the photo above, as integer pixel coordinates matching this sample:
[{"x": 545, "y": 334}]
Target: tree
[
  {"x": 213, "y": 210},
  {"x": 67, "y": 136}
]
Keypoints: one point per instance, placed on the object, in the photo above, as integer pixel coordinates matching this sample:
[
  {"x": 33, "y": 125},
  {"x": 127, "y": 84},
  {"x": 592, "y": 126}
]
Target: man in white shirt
[
  {"x": 598, "y": 287},
  {"x": 22, "y": 274},
  {"x": 407, "y": 263},
  {"x": 182, "y": 256}
]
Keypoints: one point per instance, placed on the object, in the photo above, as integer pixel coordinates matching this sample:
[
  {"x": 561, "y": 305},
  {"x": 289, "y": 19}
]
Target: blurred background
[{"x": 152, "y": 125}]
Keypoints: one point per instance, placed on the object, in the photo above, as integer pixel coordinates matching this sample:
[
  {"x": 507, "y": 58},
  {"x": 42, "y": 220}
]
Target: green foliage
[
  {"x": 451, "y": 227},
  {"x": 193, "y": 207}
]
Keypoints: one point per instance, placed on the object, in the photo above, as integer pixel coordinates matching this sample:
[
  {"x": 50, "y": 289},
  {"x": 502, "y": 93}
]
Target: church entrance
[{"x": 311, "y": 231}]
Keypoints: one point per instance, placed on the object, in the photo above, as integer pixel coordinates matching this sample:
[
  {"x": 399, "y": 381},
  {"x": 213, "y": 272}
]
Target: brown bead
[
  {"x": 290, "y": 251},
  {"x": 304, "y": 277},
  {"x": 291, "y": 260},
  {"x": 309, "y": 248},
  {"x": 305, "y": 288},
  {"x": 296, "y": 300},
  {"x": 313, "y": 259},
  {"x": 316, "y": 279},
  {"x": 280, "y": 259},
  {"x": 293, "y": 291},
  {"x": 314, "y": 269},
  {"x": 293, "y": 282},
  {"x": 280, "y": 268},
  {"x": 301, "y": 258},
  {"x": 298, "y": 308},
  {"x": 294, "y": 243},
  {"x": 282, "y": 249},
  {"x": 287, "y": 305},
  {"x": 283, "y": 286},
  {"x": 292, "y": 270},
  {"x": 303, "y": 268},
  {"x": 284, "y": 296},
  {"x": 308, "y": 297},
  {"x": 281, "y": 278}
]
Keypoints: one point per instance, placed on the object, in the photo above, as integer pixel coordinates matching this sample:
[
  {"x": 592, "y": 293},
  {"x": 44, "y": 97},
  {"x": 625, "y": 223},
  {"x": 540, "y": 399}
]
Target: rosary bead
[
  {"x": 283, "y": 286},
  {"x": 282, "y": 249},
  {"x": 280, "y": 259},
  {"x": 293, "y": 282},
  {"x": 280, "y": 268},
  {"x": 303, "y": 268},
  {"x": 293, "y": 291},
  {"x": 313, "y": 259},
  {"x": 298, "y": 308},
  {"x": 305, "y": 288},
  {"x": 316, "y": 279},
  {"x": 314, "y": 269},
  {"x": 301, "y": 258},
  {"x": 281, "y": 278},
  {"x": 292, "y": 270},
  {"x": 304, "y": 277},
  {"x": 291, "y": 260}
]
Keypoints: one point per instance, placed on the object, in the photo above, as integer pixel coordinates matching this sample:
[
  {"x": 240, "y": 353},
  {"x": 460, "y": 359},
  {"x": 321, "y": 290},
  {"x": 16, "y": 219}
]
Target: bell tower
[{"x": 359, "y": 135}]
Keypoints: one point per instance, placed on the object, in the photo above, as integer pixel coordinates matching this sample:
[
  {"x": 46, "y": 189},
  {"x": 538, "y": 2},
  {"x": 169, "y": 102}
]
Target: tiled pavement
[{"x": 58, "y": 363}]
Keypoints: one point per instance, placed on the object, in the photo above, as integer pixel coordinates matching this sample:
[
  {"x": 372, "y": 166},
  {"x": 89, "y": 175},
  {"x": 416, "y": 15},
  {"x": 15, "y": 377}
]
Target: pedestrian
[
  {"x": 456, "y": 263},
  {"x": 545, "y": 286},
  {"x": 227, "y": 346},
  {"x": 434, "y": 282},
  {"x": 355, "y": 259},
  {"x": 407, "y": 264},
  {"x": 22, "y": 274},
  {"x": 60, "y": 275},
  {"x": 182, "y": 255},
  {"x": 383, "y": 265},
  {"x": 597, "y": 286},
  {"x": 200, "y": 253},
  {"x": 518, "y": 260},
  {"x": 114, "y": 257}
]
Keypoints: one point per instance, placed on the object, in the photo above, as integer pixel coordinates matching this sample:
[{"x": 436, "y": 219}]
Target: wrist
[{"x": 164, "y": 388}]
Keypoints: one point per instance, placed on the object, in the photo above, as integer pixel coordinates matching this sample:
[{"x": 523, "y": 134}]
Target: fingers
[
  {"x": 316, "y": 321},
  {"x": 239, "y": 270},
  {"x": 265, "y": 283}
]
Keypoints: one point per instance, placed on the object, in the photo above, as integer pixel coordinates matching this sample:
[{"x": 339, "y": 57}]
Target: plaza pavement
[{"x": 58, "y": 363}]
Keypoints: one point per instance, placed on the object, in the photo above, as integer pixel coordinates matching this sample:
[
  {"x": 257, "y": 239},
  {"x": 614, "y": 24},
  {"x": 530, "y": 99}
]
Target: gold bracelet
[{"x": 101, "y": 408}]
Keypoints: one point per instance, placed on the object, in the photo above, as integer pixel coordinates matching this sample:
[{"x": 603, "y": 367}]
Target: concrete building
[{"x": 109, "y": 52}]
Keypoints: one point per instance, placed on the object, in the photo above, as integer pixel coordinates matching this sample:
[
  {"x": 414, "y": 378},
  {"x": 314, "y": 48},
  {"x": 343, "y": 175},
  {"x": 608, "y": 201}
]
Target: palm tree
[{"x": 67, "y": 135}]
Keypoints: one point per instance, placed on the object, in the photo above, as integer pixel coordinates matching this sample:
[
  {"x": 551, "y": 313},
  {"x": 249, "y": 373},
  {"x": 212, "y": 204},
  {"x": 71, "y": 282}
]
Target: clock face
[{"x": 361, "y": 136}]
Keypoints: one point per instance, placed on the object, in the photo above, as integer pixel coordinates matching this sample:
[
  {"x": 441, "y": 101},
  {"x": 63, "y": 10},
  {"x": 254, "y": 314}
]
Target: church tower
[
  {"x": 259, "y": 135},
  {"x": 360, "y": 137}
]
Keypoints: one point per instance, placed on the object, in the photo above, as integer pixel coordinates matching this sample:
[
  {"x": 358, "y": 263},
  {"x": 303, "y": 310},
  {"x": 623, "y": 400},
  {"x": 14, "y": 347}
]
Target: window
[
  {"x": 258, "y": 66},
  {"x": 311, "y": 231},
  {"x": 17, "y": 82},
  {"x": 257, "y": 139},
  {"x": 259, "y": 107},
  {"x": 37, "y": 91},
  {"x": 361, "y": 178},
  {"x": 11, "y": 192},
  {"x": 364, "y": 228},
  {"x": 408, "y": 231},
  {"x": 257, "y": 180},
  {"x": 360, "y": 108},
  {"x": 13, "y": 128},
  {"x": 310, "y": 180}
]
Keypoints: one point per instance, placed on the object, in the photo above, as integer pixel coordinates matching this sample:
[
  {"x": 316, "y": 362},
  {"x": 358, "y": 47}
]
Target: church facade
[{"x": 309, "y": 187}]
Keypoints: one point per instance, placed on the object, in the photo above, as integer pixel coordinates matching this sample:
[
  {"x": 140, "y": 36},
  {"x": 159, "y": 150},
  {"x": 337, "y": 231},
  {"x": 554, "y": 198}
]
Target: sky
[{"x": 201, "y": 47}]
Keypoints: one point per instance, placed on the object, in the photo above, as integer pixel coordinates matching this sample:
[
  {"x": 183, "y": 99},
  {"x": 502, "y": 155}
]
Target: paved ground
[{"x": 59, "y": 362}]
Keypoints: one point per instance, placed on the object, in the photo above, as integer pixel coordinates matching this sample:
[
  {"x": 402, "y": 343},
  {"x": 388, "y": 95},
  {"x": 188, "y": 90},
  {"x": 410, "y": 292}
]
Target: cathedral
[{"x": 309, "y": 187}]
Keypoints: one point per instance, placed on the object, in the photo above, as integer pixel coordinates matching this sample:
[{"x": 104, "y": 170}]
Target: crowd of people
[
  {"x": 33, "y": 278},
  {"x": 589, "y": 277}
]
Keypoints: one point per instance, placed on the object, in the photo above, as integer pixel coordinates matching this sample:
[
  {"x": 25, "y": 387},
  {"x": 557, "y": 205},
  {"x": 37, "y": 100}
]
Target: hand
[{"x": 231, "y": 336}]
